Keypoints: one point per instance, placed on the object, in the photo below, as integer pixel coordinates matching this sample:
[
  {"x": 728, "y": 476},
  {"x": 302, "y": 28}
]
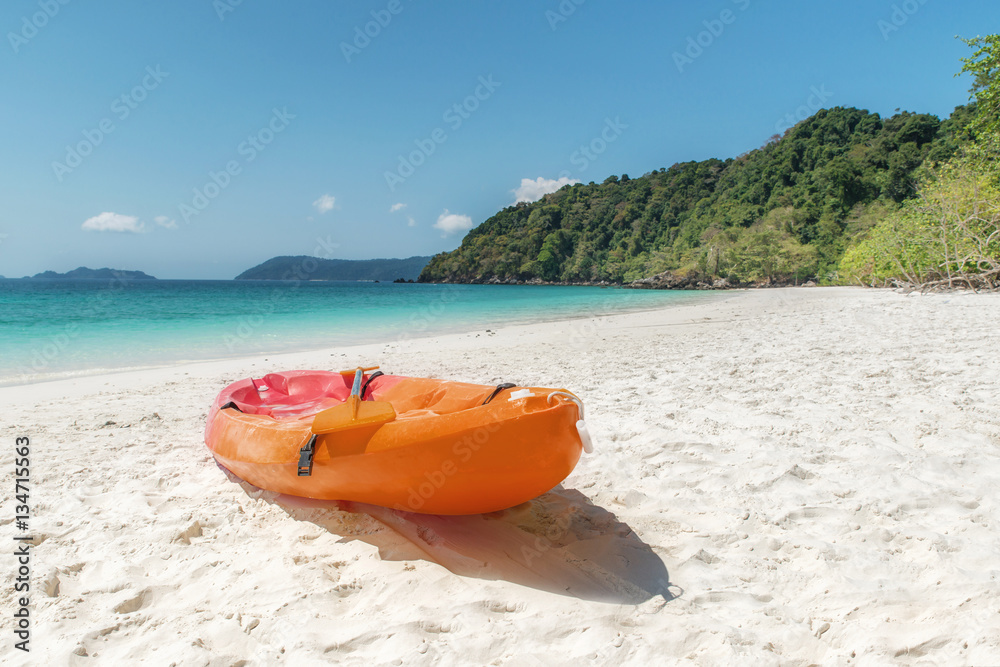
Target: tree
[
  {"x": 766, "y": 254},
  {"x": 984, "y": 66},
  {"x": 948, "y": 237}
]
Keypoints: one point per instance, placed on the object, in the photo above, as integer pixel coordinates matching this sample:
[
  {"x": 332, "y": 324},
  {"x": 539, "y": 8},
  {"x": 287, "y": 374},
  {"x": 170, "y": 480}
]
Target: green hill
[
  {"x": 314, "y": 268},
  {"x": 786, "y": 210}
]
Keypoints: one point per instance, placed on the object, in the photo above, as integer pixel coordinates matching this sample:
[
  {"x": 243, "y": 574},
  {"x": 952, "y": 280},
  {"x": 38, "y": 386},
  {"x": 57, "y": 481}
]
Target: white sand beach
[{"x": 791, "y": 476}]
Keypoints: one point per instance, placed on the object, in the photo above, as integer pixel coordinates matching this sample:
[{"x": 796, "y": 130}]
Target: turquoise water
[{"x": 59, "y": 328}]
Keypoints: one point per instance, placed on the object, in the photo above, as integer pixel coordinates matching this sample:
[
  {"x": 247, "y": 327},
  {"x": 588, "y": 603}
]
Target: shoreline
[
  {"x": 433, "y": 332},
  {"x": 663, "y": 282},
  {"x": 782, "y": 476},
  {"x": 362, "y": 351}
]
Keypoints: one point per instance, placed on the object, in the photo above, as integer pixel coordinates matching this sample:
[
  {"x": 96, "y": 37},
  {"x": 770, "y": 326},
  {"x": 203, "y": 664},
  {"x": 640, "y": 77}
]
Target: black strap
[
  {"x": 306, "y": 457},
  {"x": 231, "y": 404},
  {"x": 370, "y": 378},
  {"x": 500, "y": 387}
]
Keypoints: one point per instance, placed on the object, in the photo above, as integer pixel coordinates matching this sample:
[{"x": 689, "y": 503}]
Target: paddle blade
[{"x": 353, "y": 413}]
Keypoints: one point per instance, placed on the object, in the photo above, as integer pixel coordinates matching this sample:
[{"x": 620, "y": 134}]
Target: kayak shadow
[{"x": 559, "y": 542}]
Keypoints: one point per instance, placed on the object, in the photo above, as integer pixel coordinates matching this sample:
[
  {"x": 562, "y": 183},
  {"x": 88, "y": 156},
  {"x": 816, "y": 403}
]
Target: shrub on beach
[{"x": 949, "y": 236}]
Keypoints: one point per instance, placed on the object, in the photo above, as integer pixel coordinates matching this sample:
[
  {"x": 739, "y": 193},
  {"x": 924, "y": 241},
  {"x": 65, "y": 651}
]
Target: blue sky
[{"x": 197, "y": 138}]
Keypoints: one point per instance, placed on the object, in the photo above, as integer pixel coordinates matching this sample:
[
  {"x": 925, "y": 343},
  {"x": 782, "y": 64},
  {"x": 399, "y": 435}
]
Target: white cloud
[
  {"x": 410, "y": 222},
  {"x": 324, "y": 203},
  {"x": 396, "y": 207},
  {"x": 450, "y": 223},
  {"x": 533, "y": 190},
  {"x": 164, "y": 221},
  {"x": 113, "y": 222}
]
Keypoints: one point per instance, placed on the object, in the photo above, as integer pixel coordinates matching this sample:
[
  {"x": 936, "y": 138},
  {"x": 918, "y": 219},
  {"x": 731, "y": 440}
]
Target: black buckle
[
  {"x": 370, "y": 378},
  {"x": 306, "y": 457},
  {"x": 500, "y": 387}
]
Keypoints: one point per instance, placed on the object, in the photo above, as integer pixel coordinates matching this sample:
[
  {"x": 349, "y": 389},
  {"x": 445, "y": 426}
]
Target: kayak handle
[
  {"x": 581, "y": 426},
  {"x": 571, "y": 397}
]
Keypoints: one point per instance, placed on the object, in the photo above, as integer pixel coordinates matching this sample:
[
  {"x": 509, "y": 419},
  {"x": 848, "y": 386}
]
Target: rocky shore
[{"x": 665, "y": 281}]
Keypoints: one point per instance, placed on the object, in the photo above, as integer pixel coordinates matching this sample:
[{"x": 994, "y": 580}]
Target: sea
[{"x": 65, "y": 328}]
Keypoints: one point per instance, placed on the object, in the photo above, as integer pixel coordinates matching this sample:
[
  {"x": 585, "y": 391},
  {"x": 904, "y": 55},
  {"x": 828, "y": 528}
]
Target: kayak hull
[{"x": 445, "y": 453}]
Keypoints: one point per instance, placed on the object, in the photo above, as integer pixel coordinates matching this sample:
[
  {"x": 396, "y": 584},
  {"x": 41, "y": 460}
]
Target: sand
[{"x": 790, "y": 476}]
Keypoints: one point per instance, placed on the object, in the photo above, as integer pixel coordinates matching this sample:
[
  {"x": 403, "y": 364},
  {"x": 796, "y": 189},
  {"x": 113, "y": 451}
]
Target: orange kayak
[{"x": 427, "y": 446}]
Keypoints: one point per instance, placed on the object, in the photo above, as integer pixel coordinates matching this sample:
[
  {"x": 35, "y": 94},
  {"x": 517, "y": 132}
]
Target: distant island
[
  {"x": 302, "y": 267},
  {"x": 83, "y": 273}
]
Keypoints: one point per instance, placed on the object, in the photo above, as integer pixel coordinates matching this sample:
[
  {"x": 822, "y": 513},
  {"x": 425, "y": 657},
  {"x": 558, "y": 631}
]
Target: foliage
[
  {"x": 822, "y": 174},
  {"x": 948, "y": 237},
  {"x": 844, "y": 179},
  {"x": 984, "y": 66},
  {"x": 766, "y": 254}
]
